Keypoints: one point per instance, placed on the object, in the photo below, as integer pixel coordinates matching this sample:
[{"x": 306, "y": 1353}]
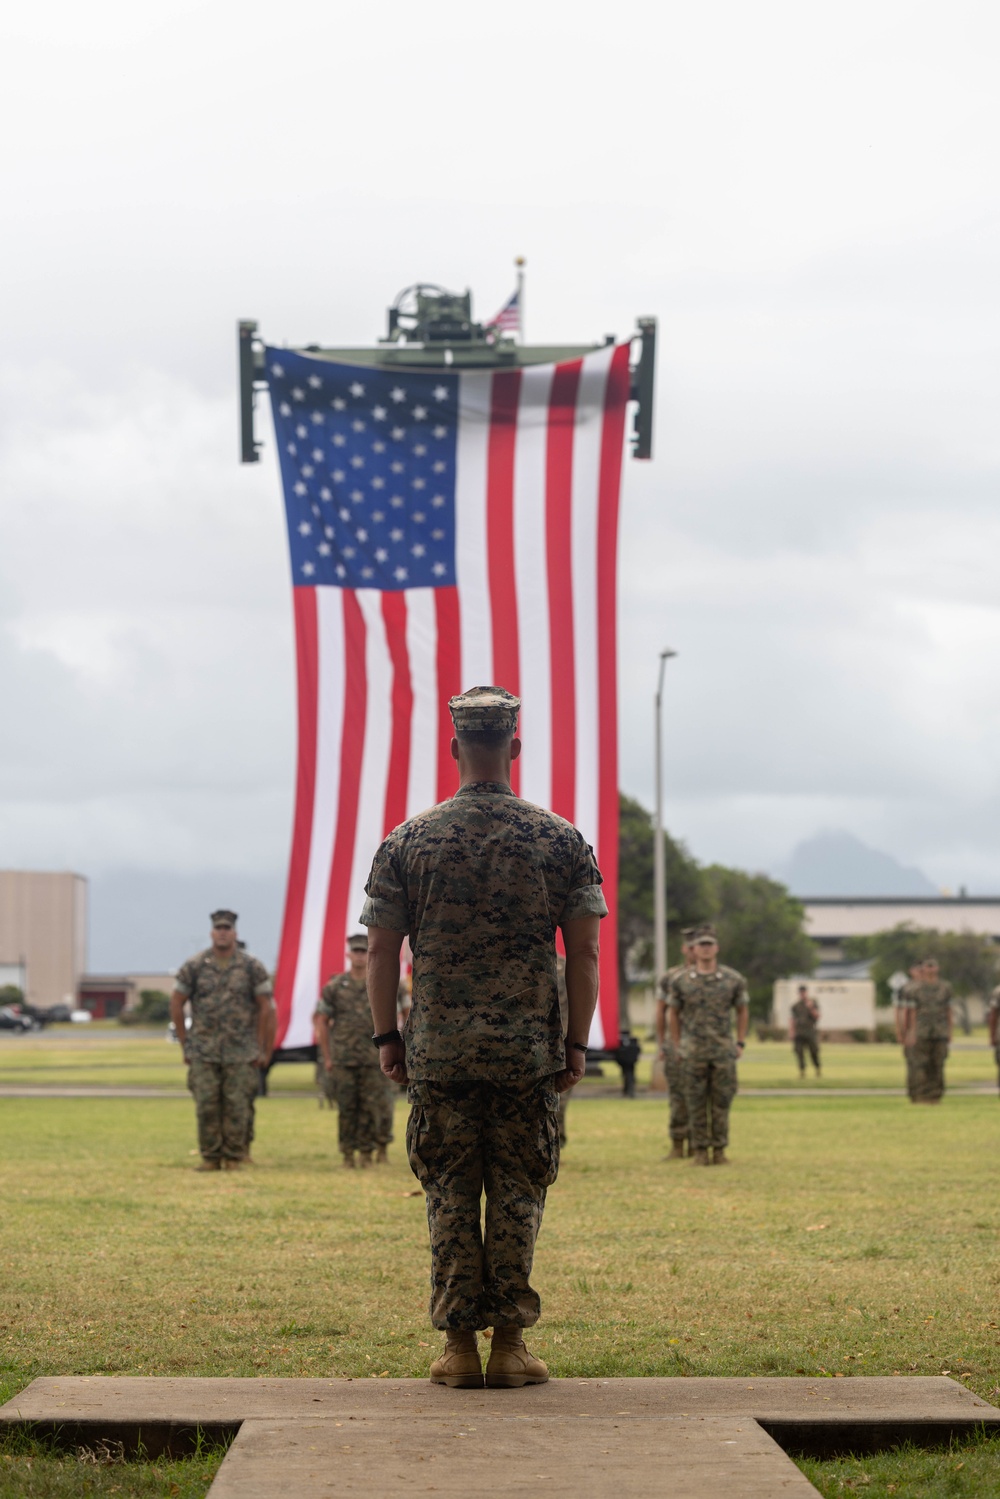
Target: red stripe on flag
[
  {"x": 351, "y": 753},
  {"x": 397, "y": 780},
  {"x": 307, "y": 669},
  {"x": 559, "y": 565},
  {"x": 612, "y": 442},
  {"x": 449, "y": 684},
  {"x": 506, "y": 392}
]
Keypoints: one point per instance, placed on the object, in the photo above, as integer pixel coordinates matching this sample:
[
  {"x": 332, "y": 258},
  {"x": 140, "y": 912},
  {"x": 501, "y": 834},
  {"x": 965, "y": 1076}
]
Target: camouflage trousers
[
  {"x": 803, "y": 1044},
  {"x": 390, "y": 1092},
  {"x": 996, "y": 1053},
  {"x": 223, "y": 1094},
  {"x": 325, "y": 1089},
  {"x": 908, "y": 1057},
  {"x": 928, "y": 1069},
  {"x": 360, "y": 1095},
  {"x": 563, "y": 1106},
  {"x": 673, "y": 1069},
  {"x": 710, "y": 1089},
  {"x": 466, "y": 1138}
]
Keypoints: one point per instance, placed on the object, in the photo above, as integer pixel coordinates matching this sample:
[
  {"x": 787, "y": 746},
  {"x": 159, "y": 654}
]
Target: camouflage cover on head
[
  {"x": 223, "y": 918},
  {"x": 357, "y": 942},
  {"x": 484, "y": 710}
]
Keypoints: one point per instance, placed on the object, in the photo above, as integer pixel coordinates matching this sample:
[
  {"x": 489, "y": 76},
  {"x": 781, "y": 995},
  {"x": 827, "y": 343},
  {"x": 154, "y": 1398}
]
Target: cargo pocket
[{"x": 546, "y": 1152}]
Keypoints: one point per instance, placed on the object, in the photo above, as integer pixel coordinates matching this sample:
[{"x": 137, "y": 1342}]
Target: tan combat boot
[
  {"x": 459, "y": 1366},
  {"x": 364, "y": 1159},
  {"x": 676, "y": 1151},
  {"x": 208, "y": 1165},
  {"x": 382, "y": 1156},
  {"x": 719, "y": 1157},
  {"x": 510, "y": 1364},
  {"x": 699, "y": 1158},
  {"x": 230, "y": 1164},
  {"x": 348, "y": 1160}
]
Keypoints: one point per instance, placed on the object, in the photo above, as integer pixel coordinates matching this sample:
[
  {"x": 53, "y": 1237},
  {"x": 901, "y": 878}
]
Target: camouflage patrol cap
[
  {"x": 223, "y": 918},
  {"x": 688, "y": 933},
  {"x": 358, "y": 942},
  {"x": 705, "y": 933},
  {"x": 485, "y": 710}
]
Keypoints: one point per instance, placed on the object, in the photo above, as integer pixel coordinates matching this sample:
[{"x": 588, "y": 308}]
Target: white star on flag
[{"x": 357, "y": 389}]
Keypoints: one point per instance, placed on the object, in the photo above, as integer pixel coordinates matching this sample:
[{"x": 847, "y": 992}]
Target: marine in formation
[
  {"x": 343, "y": 1030},
  {"x": 228, "y": 993},
  {"x": 701, "y": 1003},
  {"x": 480, "y": 883},
  {"x": 673, "y": 1065},
  {"x": 803, "y": 1030},
  {"x": 927, "y": 1025}
]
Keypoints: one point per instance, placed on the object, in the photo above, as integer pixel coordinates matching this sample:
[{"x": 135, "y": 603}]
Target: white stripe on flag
[
  {"x": 587, "y": 437},
  {"x": 377, "y": 731},
  {"x": 471, "y": 563},
  {"x": 532, "y": 584},
  {"x": 421, "y": 644},
  {"x": 329, "y": 728}
]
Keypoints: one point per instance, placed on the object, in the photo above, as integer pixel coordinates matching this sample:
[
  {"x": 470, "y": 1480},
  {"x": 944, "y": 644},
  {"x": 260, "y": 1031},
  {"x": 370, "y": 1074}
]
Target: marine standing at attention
[
  {"x": 928, "y": 1033},
  {"x": 480, "y": 883},
  {"x": 803, "y": 1030},
  {"x": 904, "y": 1000},
  {"x": 701, "y": 1002},
  {"x": 343, "y": 1028},
  {"x": 229, "y": 994},
  {"x": 993, "y": 1025},
  {"x": 673, "y": 1066}
]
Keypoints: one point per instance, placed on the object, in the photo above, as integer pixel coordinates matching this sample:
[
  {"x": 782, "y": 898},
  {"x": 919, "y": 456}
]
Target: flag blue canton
[{"x": 368, "y": 469}]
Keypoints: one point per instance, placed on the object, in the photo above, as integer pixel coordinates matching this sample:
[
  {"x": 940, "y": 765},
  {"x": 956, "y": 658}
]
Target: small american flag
[
  {"x": 446, "y": 529},
  {"x": 508, "y": 319}
]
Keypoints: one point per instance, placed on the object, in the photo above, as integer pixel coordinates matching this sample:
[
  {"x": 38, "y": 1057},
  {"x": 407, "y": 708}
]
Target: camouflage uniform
[
  {"x": 358, "y": 1084},
  {"x": 705, "y": 1002},
  {"x": 994, "y": 1008},
  {"x": 904, "y": 1001},
  {"x": 806, "y": 1034},
  {"x": 673, "y": 1068},
  {"x": 932, "y": 1001},
  {"x": 222, "y": 1047},
  {"x": 480, "y": 883}
]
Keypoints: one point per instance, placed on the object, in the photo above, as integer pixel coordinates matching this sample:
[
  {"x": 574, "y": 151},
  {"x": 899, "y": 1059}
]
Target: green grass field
[
  {"x": 113, "y": 1056},
  {"x": 849, "y": 1236}
]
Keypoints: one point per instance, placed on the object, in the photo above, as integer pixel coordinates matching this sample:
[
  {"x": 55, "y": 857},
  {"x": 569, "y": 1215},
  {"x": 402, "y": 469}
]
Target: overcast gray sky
[{"x": 807, "y": 197}]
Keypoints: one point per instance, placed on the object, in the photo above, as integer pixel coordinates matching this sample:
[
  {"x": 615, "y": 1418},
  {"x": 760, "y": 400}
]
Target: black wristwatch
[{"x": 576, "y": 1046}]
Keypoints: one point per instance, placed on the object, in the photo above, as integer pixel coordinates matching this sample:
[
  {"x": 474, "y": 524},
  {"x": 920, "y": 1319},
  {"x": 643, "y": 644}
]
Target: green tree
[
  {"x": 760, "y": 931},
  {"x": 11, "y": 994},
  {"x": 153, "y": 1009},
  {"x": 687, "y": 899}
]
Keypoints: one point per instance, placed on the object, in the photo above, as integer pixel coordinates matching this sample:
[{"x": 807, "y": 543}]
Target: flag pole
[{"x": 520, "y": 263}]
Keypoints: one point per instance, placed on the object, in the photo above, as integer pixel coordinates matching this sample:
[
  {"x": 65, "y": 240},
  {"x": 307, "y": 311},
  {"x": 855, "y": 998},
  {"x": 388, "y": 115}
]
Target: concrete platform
[
  {"x": 452, "y": 1457},
  {"x": 821, "y": 1417}
]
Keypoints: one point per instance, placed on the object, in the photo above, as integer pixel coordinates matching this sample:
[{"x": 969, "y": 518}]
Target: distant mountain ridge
[{"x": 837, "y": 863}]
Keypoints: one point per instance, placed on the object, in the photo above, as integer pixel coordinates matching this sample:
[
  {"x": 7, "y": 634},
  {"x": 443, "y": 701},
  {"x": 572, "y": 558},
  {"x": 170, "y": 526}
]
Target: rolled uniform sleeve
[
  {"x": 741, "y": 999},
  {"x": 387, "y": 905},
  {"x": 260, "y": 978},
  {"x": 674, "y": 997},
  {"x": 184, "y": 979},
  {"x": 584, "y": 897}
]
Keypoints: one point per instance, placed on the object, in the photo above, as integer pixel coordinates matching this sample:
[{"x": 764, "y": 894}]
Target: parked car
[{"x": 13, "y": 1020}]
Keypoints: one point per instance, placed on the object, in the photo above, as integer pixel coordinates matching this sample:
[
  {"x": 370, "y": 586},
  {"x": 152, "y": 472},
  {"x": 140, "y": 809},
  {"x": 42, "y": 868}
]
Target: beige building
[
  {"x": 845, "y": 1004},
  {"x": 831, "y": 921},
  {"x": 43, "y": 926}
]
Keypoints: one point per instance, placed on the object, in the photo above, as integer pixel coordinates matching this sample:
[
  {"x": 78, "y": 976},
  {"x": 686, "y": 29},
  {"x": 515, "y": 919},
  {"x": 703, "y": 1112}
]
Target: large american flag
[
  {"x": 447, "y": 529},
  {"x": 508, "y": 319}
]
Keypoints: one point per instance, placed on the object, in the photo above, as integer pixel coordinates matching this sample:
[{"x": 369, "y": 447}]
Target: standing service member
[
  {"x": 673, "y": 1066},
  {"x": 480, "y": 883},
  {"x": 993, "y": 1024},
  {"x": 229, "y": 994},
  {"x": 701, "y": 1002},
  {"x": 928, "y": 1033},
  {"x": 804, "y": 1030},
  {"x": 343, "y": 1029}
]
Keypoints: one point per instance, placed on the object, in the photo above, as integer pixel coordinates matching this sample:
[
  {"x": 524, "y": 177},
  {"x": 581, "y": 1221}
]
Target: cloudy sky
[{"x": 805, "y": 195}]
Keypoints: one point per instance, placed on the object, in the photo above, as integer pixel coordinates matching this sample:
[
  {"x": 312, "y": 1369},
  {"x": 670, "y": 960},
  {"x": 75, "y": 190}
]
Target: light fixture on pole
[{"x": 659, "y": 851}]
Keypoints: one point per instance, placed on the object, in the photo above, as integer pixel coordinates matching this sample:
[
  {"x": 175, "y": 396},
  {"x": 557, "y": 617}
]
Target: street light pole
[{"x": 659, "y": 850}]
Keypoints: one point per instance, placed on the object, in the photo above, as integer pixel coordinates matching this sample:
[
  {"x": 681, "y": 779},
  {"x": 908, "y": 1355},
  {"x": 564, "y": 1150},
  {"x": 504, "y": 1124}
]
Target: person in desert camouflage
[
  {"x": 480, "y": 883},
  {"x": 229, "y": 996}
]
